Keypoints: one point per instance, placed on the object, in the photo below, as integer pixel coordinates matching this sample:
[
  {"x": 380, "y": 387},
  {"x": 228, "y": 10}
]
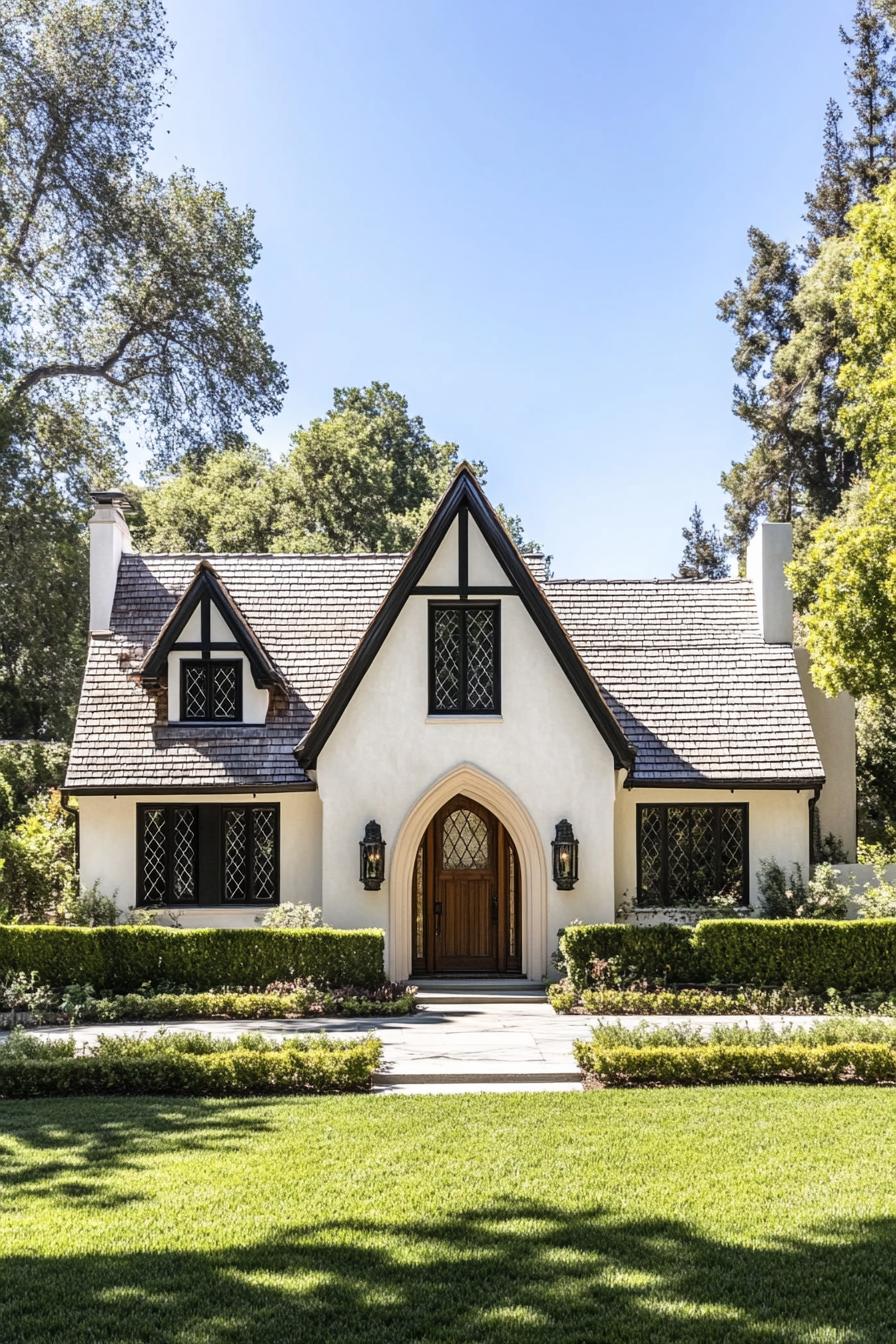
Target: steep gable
[{"x": 463, "y": 503}]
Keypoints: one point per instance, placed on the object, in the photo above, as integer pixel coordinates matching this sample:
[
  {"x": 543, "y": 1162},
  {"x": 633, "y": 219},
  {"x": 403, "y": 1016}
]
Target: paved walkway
[{"x": 467, "y": 1047}]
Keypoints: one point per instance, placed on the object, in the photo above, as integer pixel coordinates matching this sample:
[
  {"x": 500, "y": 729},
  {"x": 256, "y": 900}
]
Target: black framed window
[
  {"x": 211, "y": 690},
  {"x": 208, "y": 854},
  {"x": 465, "y": 658},
  {"x": 692, "y": 853}
]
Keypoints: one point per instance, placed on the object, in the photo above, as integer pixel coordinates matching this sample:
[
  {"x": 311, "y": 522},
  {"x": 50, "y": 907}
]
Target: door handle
[
  {"x": 437, "y": 909},
  {"x": 494, "y": 907}
]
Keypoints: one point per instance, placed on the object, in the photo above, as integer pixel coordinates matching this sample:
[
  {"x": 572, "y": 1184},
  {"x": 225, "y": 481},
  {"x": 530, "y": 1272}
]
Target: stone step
[
  {"x": 458, "y": 1074},
  {"x": 448, "y": 992}
]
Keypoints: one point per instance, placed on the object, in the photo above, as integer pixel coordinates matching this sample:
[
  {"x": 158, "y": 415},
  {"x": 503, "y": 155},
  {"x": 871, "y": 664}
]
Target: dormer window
[
  {"x": 211, "y": 691},
  {"x": 464, "y": 658}
]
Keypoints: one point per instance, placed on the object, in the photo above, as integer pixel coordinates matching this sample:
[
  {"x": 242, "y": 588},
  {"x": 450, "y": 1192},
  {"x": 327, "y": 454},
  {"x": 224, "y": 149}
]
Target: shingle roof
[
  {"x": 682, "y": 664},
  {"x": 697, "y": 691}
]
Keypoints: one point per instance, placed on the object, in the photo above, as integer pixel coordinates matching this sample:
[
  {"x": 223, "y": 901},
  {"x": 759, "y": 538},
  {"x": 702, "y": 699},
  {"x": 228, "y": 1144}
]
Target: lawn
[{"x": 732, "y": 1214}]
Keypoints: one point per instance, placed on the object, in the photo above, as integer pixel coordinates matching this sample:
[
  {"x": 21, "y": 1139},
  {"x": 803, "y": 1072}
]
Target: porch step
[{"x": 446, "y": 992}]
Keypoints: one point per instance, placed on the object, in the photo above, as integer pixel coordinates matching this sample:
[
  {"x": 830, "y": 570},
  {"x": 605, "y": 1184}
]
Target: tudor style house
[{"x": 445, "y": 744}]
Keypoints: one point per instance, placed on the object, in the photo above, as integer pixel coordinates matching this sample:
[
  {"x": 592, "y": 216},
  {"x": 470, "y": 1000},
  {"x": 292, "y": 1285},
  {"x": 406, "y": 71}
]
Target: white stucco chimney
[
  {"x": 769, "y": 551},
  {"x": 110, "y": 538}
]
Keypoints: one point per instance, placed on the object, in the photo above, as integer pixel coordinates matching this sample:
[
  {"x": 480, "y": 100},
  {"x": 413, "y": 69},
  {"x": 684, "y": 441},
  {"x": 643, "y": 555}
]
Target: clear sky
[{"x": 521, "y": 215}]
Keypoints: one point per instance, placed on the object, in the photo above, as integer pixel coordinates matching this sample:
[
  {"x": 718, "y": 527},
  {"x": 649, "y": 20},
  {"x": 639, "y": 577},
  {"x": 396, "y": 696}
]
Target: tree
[
  {"x": 867, "y": 379},
  {"x": 830, "y": 202},
  {"x": 124, "y": 298},
  {"x": 871, "y": 76},
  {"x": 790, "y": 322},
  {"x": 704, "y": 553},
  {"x": 126, "y": 294},
  {"x": 228, "y": 501},
  {"x": 845, "y": 586}
]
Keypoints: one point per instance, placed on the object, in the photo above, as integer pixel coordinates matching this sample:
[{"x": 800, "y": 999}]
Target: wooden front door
[{"x": 466, "y": 894}]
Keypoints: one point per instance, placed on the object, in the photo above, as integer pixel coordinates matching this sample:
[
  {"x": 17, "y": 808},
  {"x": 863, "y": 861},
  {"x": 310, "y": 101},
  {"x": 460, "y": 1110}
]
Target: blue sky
[{"x": 520, "y": 215}]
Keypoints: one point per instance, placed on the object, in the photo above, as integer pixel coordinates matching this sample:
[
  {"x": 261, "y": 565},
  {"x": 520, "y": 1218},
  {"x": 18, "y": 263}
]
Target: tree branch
[{"x": 98, "y": 369}]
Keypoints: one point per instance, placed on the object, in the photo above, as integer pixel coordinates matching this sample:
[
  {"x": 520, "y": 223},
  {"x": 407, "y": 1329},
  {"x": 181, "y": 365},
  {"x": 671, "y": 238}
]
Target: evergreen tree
[
  {"x": 828, "y": 205},
  {"x": 704, "y": 552},
  {"x": 871, "y": 77}
]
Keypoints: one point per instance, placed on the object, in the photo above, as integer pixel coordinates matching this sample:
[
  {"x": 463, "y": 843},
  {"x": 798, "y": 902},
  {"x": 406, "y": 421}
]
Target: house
[{"x": 445, "y": 744}]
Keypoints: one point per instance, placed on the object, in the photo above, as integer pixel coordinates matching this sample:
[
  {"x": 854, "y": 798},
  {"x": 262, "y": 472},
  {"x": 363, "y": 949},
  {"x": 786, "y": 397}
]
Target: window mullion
[
  {"x": 664, "y": 832},
  {"x": 462, "y": 618}
]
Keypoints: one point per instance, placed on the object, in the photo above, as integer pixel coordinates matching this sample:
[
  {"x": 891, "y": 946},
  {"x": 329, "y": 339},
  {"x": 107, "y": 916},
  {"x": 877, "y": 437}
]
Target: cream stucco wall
[
  {"x": 778, "y": 828},
  {"x": 255, "y": 699},
  {"x": 542, "y": 753},
  {"x": 834, "y": 725},
  {"x": 108, "y": 838}
]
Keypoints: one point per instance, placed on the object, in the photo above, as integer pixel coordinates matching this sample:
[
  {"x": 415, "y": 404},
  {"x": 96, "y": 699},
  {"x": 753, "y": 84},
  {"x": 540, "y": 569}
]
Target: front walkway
[{"x": 464, "y": 1047}]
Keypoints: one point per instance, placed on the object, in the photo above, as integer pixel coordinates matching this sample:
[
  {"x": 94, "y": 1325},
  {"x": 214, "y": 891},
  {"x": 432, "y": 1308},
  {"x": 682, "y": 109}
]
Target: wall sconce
[
  {"x": 373, "y": 857},
  {"x": 565, "y": 853}
]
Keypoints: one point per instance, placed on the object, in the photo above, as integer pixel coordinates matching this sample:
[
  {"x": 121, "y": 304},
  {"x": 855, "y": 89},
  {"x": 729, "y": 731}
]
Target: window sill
[{"x": 464, "y": 718}]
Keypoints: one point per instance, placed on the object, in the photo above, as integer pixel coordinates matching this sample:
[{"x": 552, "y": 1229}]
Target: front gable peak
[{"x": 465, "y": 500}]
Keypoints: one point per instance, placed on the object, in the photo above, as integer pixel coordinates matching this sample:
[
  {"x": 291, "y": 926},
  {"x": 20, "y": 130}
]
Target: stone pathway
[{"x": 464, "y": 1047}]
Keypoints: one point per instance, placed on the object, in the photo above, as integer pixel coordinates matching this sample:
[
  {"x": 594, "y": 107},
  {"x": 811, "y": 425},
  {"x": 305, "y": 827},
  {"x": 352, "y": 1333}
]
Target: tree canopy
[
  {"x": 704, "y": 554},
  {"x": 124, "y": 301}
]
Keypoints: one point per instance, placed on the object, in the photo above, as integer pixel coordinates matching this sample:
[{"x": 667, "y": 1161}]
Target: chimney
[
  {"x": 110, "y": 538},
  {"x": 769, "y": 551}
]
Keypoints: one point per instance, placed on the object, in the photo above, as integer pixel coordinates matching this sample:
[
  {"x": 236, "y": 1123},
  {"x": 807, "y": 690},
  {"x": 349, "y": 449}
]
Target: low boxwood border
[
  {"x": 187, "y": 1065},
  {"x": 710, "y": 1065}
]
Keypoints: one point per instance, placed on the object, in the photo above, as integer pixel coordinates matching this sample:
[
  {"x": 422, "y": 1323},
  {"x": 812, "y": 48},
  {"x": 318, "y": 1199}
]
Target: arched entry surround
[{"x": 491, "y": 793}]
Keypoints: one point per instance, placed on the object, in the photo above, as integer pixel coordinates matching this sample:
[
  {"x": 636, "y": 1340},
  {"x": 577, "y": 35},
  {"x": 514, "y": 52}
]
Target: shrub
[
  {"x": 709, "y": 1002},
  {"x": 878, "y": 902},
  {"x": 124, "y": 958},
  {"x": 832, "y": 1051},
  {"x": 291, "y": 916},
  {"x": 80, "y": 1003},
  {"x": 37, "y": 861},
  {"x": 656, "y": 952},
  {"x": 625, "y": 1066},
  {"x": 813, "y": 955},
  {"x": 88, "y": 907},
  {"x": 822, "y": 897},
  {"x": 188, "y": 1064}
]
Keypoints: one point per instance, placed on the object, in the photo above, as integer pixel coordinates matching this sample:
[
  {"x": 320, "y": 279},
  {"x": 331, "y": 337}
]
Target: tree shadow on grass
[
  {"x": 513, "y": 1271},
  {"x": 86, "y": 1141}
]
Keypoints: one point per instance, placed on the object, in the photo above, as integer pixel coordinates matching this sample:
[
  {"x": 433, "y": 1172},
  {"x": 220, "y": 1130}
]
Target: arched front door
[{"x": 466, "y": 897}]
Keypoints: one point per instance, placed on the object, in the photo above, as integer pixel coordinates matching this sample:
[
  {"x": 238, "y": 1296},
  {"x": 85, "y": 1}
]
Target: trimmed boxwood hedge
[
  {"x": 811, "y": 955},
  {"x": 654, "y": 952},
  {"x": 187, "y": 1065},
  {"x": 793, "y": 1062},
  {"x": 120, "y": 959}
]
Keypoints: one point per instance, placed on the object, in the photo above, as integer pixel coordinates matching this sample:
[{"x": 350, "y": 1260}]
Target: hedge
[
  {"x": 187, "y": 1065},
  {"x": 171, "y": 1007},
  {"x": 626, "y": 1066},
  {"x": 654, "y": 952},
  {"x": 853, "y": 955},
  {"x": 121, "y": 959},
  {"x": 810, "y": 955}
]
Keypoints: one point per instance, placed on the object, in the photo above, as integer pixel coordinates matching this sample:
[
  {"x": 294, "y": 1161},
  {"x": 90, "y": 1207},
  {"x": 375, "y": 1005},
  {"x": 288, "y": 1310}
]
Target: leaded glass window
[
  {"x": 208, "y": 854},
  {"x": 465, "y": 840},
  {"x": 211, "y": 691},
  {"x": 464, "y": 658},
  {"x": 692, "y": 854}
]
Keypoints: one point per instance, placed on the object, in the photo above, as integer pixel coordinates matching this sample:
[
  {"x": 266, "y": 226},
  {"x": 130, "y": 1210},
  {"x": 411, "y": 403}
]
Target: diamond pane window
[
  {"x": 211, "y": 691},
  {"x": 209, "y": 854},
  {"x": 465, "y": 840},
  {"x": 464, "y": 659},
  {"x": 692, "y": 854}
]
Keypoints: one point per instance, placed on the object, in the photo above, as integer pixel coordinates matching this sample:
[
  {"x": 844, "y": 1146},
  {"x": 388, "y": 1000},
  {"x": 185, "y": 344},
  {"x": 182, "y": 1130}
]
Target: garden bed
[
  {"x": 185, "y": 1064},
  {"x": 28, "y": 1002}
]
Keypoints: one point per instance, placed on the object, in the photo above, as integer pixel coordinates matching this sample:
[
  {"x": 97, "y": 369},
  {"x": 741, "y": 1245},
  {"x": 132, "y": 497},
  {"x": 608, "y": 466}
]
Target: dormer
[{"x": 216, "y": 670}]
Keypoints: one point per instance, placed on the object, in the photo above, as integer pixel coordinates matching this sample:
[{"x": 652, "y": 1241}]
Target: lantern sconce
[
  {"x": 565, "y": 853},
  {"x": 373, "y": 857}
]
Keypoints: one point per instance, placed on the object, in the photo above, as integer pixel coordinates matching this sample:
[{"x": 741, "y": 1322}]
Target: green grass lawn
[{"x": 734, "y": 1214}]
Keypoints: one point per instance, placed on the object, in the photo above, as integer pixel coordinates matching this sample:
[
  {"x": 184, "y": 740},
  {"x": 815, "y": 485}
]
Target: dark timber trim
[
  {"x": 204, "y": 589},
  {"x": 466, "y": 493}
]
